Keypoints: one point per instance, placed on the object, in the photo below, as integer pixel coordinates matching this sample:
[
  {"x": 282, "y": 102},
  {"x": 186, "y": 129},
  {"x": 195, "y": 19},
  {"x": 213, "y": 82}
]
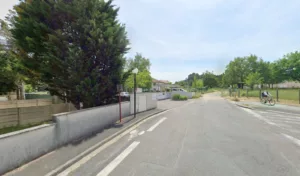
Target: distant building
[{"x": 160, "y": 85}]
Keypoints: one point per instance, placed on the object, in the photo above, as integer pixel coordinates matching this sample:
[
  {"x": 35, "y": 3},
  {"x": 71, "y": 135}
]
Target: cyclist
[{"x": 265, "y": 95}]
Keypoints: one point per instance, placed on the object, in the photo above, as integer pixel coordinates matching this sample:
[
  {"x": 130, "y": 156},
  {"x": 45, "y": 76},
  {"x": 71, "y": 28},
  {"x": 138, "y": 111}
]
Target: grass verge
[{"x": 6, "y": 130}]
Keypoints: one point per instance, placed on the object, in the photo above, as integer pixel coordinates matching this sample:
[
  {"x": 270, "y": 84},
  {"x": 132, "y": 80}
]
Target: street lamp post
[{"x": 134, "y": 71}]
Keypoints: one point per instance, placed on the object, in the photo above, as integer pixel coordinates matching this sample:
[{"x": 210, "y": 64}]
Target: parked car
[
  {"x": 178, "y": 89},
  {"x": 124, "y": 94}
]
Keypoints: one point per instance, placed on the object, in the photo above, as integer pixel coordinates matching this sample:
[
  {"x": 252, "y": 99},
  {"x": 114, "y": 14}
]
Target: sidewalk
[{"x": 59, "y": 157}]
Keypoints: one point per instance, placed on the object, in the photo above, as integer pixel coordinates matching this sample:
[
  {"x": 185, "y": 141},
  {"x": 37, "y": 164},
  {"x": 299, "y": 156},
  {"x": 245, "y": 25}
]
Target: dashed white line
[
  {"x": 87, "y": 155},
  {"x": 112, "y": 165},
  {"x": 295, "y": 140},
  {"x": 141, "y": 133},
  {"x": 155, "y": 125}
]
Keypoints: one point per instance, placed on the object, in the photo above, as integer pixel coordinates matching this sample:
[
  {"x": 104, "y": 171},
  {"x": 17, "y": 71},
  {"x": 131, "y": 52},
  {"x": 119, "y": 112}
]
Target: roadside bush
[
  {"x": 178, "y": 97},
  {"x": 183, "y": 98},
  {"x": 198, "y": 95}
]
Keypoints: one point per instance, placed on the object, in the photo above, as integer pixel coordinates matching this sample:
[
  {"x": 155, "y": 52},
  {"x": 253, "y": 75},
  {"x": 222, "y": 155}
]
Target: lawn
[
  {"x": 17, "y": 128},
  {"x": 283, "y": 94}
]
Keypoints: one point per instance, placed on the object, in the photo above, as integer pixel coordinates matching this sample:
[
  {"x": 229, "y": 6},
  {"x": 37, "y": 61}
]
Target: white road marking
[
  {"x": 112, "y": 165},
  {"x": 133, "y": 134},
  {"x": 141, "y": 133},
  {"x": 284, "y": 113},
  {"x": 155, "y": 125},
  {"x": 262, "y": 112},
  {"x": 259, "y": 116},
  {"x": 283, "y": 118},
  {"x": 286, "y": 121},
  {"x": 295, "y": 140},
  {"x": 99, "y": 149}
]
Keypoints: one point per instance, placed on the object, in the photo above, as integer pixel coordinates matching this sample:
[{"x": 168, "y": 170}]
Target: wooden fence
[
  {"x": 24, "y": 103},
  {"x": 31, "y": 115}
]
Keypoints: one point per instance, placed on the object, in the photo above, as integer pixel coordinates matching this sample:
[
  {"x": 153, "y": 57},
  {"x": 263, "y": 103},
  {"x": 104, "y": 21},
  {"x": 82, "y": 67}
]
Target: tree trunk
[
  {"x": 22, "y": 91},
  {"x": 18, "y": 93}
]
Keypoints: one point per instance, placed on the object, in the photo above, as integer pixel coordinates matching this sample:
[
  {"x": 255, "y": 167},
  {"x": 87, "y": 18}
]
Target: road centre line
[
  {"x": 112, "y": 165},
  {"x": 155, "y": 125},
  {"x": 295, "y": 140}
]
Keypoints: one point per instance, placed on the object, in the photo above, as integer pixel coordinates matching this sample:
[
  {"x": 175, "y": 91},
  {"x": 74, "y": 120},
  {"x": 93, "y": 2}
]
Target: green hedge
[{"x": 178, "y": 97}]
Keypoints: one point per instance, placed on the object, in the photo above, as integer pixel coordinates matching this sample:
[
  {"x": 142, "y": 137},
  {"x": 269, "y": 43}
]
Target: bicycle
[{"x": 269, "y": 99}]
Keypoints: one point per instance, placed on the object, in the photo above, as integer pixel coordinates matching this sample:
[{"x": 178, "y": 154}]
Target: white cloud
[{"x": 215, "y": 30}]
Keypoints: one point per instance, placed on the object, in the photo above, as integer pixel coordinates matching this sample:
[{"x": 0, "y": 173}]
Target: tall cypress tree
[{"x": 76, "y": 46}]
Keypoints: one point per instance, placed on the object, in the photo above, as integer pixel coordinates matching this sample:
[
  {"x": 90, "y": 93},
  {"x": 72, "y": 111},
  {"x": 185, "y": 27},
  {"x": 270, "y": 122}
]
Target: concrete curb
[
  {"x": 94, "y": 147},
  {"x": 247, "y": 107}
]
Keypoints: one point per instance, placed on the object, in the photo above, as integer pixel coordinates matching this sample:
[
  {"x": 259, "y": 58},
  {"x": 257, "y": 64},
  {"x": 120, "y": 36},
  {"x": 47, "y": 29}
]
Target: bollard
[
  {"x": 277, "y": 95},
  {"x": 239, "y": 94},
  {"x": 247, "y": 93},
  {"x": 299, "y": 96}
]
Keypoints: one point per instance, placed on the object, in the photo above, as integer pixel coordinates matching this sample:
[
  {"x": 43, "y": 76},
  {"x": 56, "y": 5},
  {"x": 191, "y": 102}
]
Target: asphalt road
[{"x": 209, "y": 136}]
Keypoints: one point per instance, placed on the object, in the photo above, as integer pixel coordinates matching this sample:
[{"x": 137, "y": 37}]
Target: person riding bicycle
[{"x": 265, "y": 95}]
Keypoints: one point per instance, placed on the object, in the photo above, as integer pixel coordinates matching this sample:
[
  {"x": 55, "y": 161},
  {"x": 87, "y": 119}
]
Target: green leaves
[
  {"x": 77, "y": 47},
  {"x": 197, "y": 83},
  {"x": 289, "y": 66},
  {"x": 286, "y": 68},
  {"x": 143, "y": 76},
  {"x": 254, "y": 78},
  {"x": 139, "y": 62},
  {"x": 143, "y": 80}
]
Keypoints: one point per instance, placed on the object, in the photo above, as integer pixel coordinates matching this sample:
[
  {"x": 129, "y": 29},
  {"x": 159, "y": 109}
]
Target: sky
[{"x": 185, "y": 36}]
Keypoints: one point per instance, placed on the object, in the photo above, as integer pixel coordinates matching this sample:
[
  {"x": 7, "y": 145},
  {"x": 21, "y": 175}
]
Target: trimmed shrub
[
  {"x": 178, "y": 97},
  {"x": 183, "y": 98}
]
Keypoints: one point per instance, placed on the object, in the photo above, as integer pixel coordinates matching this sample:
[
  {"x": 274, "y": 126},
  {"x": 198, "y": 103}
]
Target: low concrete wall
[
  {"x": 187, "y": 94},
  {"x": 23, "y": 146},
  {"x": 16, "y": 150},
  {"x": 144, "y": 102},
  {"x": 163, "y": 95},
  {"x": 78, "y": 124}
]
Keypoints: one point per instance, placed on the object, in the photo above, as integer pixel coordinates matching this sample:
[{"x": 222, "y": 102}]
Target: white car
[
  {"x": 178, "y": 89},
  {"x": 124, "y": 94}
]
